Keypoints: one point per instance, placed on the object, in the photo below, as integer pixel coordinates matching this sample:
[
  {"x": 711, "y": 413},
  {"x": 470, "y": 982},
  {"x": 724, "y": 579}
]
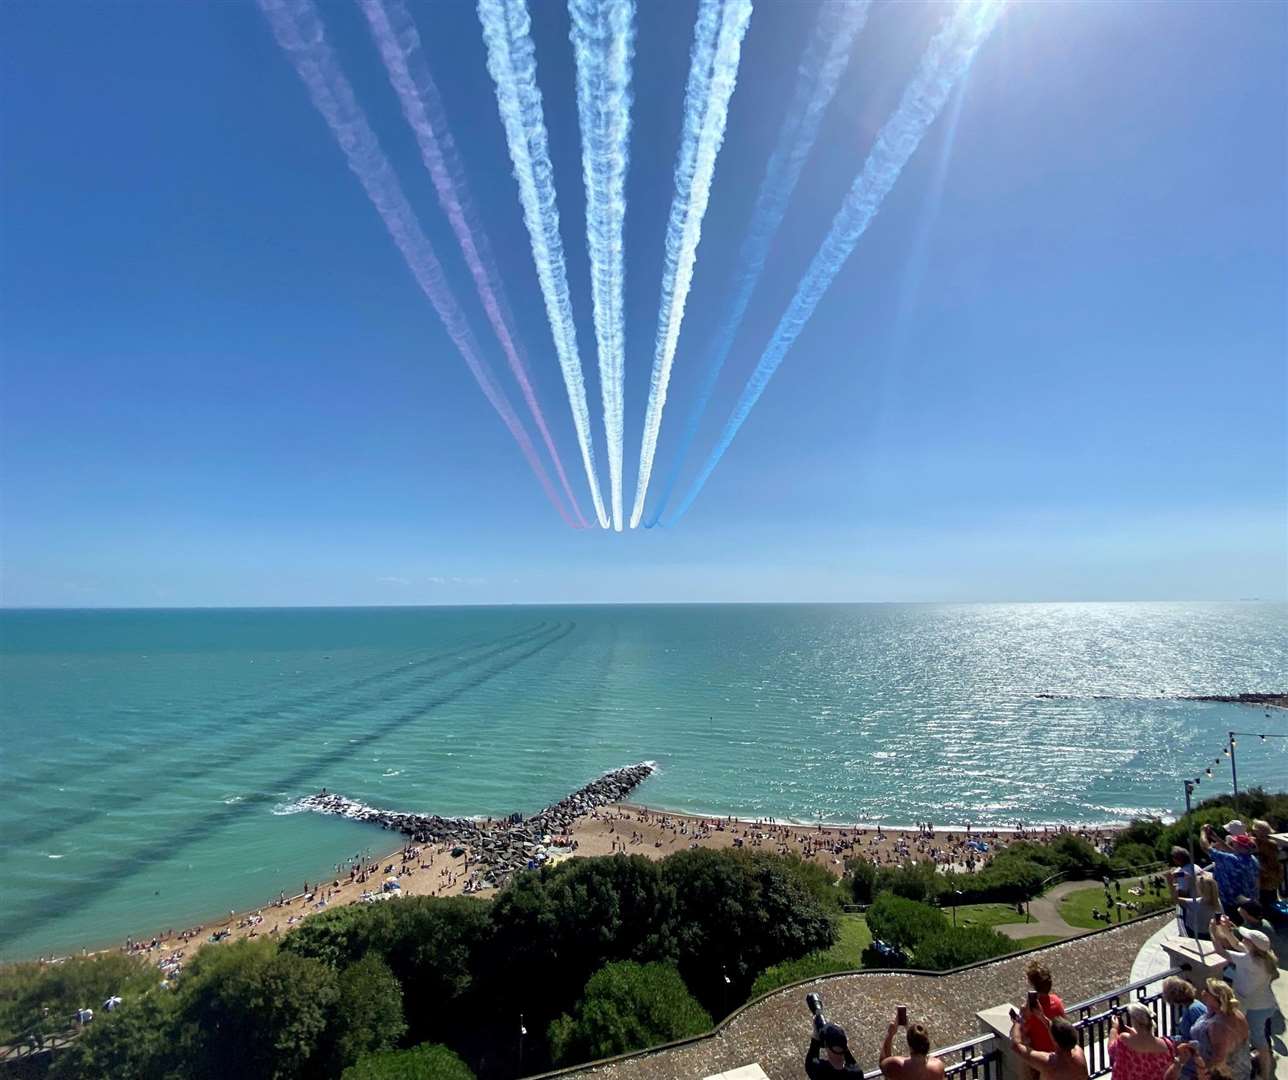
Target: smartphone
[
  {"x": 1033, "y": 1000},
  {"x": 901, "y": 1016}
]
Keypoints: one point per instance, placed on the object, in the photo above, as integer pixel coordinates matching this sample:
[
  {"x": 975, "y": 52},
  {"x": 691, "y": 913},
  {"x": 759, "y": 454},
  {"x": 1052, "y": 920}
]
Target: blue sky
[{"x": 1056, "y": 373}]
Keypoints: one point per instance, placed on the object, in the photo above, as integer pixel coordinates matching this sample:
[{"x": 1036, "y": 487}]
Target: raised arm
[
  {"x": 1036, "y": 1058},
  {"x": 890, "y": 1065}
]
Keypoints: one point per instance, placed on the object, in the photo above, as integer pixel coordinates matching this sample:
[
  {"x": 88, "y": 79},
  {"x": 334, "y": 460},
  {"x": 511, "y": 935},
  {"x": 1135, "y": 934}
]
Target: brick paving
[{"x": 774, "y": 1033}]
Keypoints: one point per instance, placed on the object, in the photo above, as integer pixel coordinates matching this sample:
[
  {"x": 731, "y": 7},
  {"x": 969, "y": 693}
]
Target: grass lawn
[
  {"x": 1075, "y": 909},
  {"x": 985, "y": 915},
  {"x": 845, "y": 955},
  {"x": 1033, "y": 942}
]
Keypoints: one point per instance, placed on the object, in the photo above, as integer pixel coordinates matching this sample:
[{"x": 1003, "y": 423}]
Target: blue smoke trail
[
  {"x": 946, "y": 61},
  {"x": 511, "y": 60},
  {"x": 820, "y": 73},
  {"x": 603, "y": 40},
  {"x": 713, "y": 73}
]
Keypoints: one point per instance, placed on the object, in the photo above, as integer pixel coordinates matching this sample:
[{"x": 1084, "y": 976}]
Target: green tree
[
  {"x": 627, "y": 1006},
  {"x": 252, "y": 1012},
  {"x": 554, "y": 927},
  {"x": 369, "y": 1011},
  {"x": 425, "y": 1062},
  {"x": 736, "y": 916}
]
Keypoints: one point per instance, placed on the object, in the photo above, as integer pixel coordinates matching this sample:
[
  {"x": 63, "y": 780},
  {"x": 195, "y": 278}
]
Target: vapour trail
[
  {"x": 298, "y": 29},
  {"x": 511, "y": 60},
  {"x": 818, "y": 76},
  {"x": 713, "y": 73},
  {"x": 603, "y": 40},
  {"x": 396, "y": 37},
  {"x": 946, "y": 61}
]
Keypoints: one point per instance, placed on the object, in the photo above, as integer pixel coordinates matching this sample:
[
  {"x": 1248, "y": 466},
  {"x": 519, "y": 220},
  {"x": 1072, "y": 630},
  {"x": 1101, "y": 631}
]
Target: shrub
[
  {"x": 425, "y": 1062},
  {"x": 809, "y": 966},
  {"x": 627, "y": 1006},
  {"x": 1129, "y": 856},
  {"x": 955, "y": 946},
  {"x": 905, "y": 923},
  {"x": 862, "y": 876},
  {"x": 137, "y": 1039},
  {"x": 43, "y": 997}
]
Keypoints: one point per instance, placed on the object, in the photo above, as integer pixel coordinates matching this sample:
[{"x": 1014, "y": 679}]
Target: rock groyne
[{"x": 497, "y": 848}]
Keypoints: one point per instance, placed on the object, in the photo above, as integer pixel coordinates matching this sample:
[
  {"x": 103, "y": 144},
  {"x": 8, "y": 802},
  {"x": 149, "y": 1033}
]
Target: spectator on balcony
[
  {"x": 918, "y": 1065},
  {"x": 1252, "y": 916},
  {"x": 1222, "y": 1034},
  {"x": 1189, "y": 1010},
  {"x": 1234, "y": 862},
  {"x": 1198, "y": 911},
  {"x": 1255, "y": 967},
  {"x": 1271, "y": 871},
  {"x": 1065, "y": 1062},
  {"x": 1135, "y": 1052},
  {"x": 1050, "y": 1007},
  {"x": 829, "y": 1054},
  {"x": 1182, "y": 873}
]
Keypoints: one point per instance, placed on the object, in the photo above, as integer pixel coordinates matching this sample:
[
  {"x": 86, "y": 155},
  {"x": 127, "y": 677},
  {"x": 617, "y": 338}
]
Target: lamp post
[
  {"x": 1194, "y": 870},
  {"x": 957, "y": 899},
  {"x": 522, "y": 1032},
  {"x": 1234, "y": 769}
]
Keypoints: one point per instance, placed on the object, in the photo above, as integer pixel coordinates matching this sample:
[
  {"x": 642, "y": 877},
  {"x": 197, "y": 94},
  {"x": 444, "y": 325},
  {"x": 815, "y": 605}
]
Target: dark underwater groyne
[{"x": 498, "y": 848}]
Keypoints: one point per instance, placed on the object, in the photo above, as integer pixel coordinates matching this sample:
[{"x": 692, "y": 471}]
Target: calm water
[{"x": 150, "y": 758}]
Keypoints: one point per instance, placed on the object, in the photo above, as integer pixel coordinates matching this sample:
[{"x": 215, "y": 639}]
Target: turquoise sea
[{"x": 151, "y": 759}]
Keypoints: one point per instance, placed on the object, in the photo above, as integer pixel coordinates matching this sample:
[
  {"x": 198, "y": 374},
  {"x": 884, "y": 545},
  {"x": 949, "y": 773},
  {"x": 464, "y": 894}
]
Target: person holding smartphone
[
  {"x": 918, "y": 1064},
  {"x": 1135, "y": 1052},
  {"x": 1041, "y": 1004},
  {"x": 828, "y": 1056}
]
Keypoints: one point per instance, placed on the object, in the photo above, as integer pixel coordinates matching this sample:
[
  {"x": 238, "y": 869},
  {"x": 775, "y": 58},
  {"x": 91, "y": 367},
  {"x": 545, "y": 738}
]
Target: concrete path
[{"x": 1045, "y": 910}]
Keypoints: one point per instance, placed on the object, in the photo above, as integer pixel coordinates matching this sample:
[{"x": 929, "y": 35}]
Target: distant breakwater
[
  {"x": 1271, "y": 700},
  {"x": 498, "y": 848}
]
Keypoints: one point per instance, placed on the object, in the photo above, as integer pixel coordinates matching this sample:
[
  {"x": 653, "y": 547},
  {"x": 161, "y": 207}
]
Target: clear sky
[{"x": 1055, "y": 372}]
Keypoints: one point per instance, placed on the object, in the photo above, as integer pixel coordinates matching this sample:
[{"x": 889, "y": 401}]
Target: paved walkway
[{"x": 1045, "y": 910}]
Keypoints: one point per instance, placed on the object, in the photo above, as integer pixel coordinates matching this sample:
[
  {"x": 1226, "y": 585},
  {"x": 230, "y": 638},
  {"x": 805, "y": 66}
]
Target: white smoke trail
[
  {"x": 819, "y": 74},
  {"x": 511, "y": 60},
  {"x": 298, "y": 29},
  {"x": 946, "y": 61},
  {"x": 398, "y": 40},
  {"x": 603, "y": 40},
  {"x": 713, "y": 73}
]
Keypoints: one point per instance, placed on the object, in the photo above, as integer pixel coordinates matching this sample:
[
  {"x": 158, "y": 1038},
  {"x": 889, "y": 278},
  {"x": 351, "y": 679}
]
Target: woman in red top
[{"x": 1038, "y": 1033}]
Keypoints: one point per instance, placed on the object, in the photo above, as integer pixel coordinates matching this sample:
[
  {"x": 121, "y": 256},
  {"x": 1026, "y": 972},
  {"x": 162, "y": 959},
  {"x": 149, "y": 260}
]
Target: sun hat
[
  {"x": 1243, "y": 842},
  {"x": 1235, "y": 828},
  {"x": 1256, "y": 938},
  {"x": 833, "y": 1035}
]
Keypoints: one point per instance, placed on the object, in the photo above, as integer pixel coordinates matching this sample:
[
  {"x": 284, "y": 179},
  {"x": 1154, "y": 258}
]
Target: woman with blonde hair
[
  {"x": 1255, "y": 967},
  {"x": 1222, "y": 1035},
  {"x": 1197, "y": 912}
]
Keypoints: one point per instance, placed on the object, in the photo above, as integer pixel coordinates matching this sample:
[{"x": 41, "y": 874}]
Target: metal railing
[
  {"x": 975, "y": 1059},
  {"x": 1092, "y": 1017}
]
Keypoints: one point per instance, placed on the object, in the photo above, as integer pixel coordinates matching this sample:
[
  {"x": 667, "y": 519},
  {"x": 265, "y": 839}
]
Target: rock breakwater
[{"x": 497, "y": 848}]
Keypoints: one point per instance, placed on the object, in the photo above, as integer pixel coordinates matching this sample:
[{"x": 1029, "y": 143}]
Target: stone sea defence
[{"x": 497, "y": 848}]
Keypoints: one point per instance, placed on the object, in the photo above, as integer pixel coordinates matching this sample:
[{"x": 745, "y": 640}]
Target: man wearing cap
[
  {"x": 1234, "y": 864},
  {"x": 829, "y": 1054}
]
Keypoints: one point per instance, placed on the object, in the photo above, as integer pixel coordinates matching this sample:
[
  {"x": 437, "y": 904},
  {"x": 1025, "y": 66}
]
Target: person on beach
[
  {"x": 1065, "y": 1062},
  {"x": 1234, "y": 862},
  {"x": 1255, "y": 967},
  {"x": 918, "y": 1064},
  {"x": 1189, "y": 1010},
  {"x": 1135, "y": 1052},
  {"x": 829, "y": 1054}
]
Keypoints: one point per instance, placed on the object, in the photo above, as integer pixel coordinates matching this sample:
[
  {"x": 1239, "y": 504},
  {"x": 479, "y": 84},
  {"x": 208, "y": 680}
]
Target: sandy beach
[{"x": 432, "y": 870}]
